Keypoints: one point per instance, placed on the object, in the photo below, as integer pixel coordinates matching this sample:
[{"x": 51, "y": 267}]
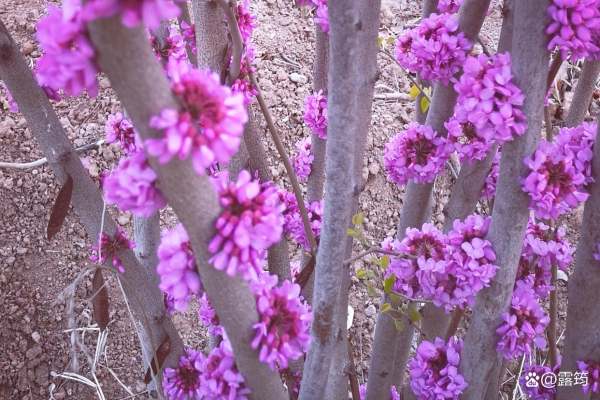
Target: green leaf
[
  {"x": 385, "y": 307},
  {"x": 371, "y": 291},
  {"x": 388, "y": 284},
  {"x": 414, "y": 91},
  {"x": 361, "y": 273},
  {"x": 352, "y": 232},
  {"x": 424, "y": 103},
  {"x": 396, "y": 299},
  {"x": 384, "y": 261},
  {"x": 358, "y": 219},
  {"x": 414, "y": 315},
  {"x": 399, "y": 325},
  {"x": 381, "y": 41}
]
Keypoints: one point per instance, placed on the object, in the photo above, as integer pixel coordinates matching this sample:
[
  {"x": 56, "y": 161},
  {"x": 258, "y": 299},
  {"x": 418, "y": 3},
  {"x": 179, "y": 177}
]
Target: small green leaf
[
  {"x": 414, "y": 91},
  {"x": 399, "y": 325},
  {"x": 381, "y": 41},
  {"x": 385, "y": 307},
  {"x": 361, "y": 273},
  {"x": 352, "y": 232},
  {"x": 371, "y": 291},
  {"x": 358, "y": 219},
  {"x": 414, "y": 315},
  {"x": 396, "y": 299},
  {"x": 424, "y": 104},
  {"x": 384, "y": 261},
  {"x": 388, "y": 284}
]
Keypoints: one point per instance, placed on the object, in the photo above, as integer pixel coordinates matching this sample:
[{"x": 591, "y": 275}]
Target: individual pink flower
[
  {"x": 177, "y": 267},
  {"x": 132, "y": 186},
  {"x": 251, "y": 221},
  {"x": 173, "y": 46},
  {"x": 315, "y": 114},
  {"x": 554, "y": 184},
  {"x": 576, "y": 144},
  {"x": 418, "y": 153},
  {"x": 303, "y": 159},
  {"x": 210, "y": 128},
  {"x": 293, "y": 225},
  {"x": 423, "y": 248},
  {"x": 13, "y": 107},
  {"x": 435, "y": 49},
  {"x": 434, "y": 370},
  {"x": 133, "y": 12},
  {"x": 208, "y": 316},
  {"x": 68, "y": 59},
  {"x": 282, "y": 332},
  {"x": 119, "y": 130},
  {"x": 488, "y": 109},
  {"x": 321, "y": 14},
  {"x": 524, "y": 324},
  {"x": 591, "y": 370},
  {"x": 489, "y": 187},
  {"x": 572, "y": 27},
  {"x": 109, "y": 247},
  {"x": 221, "y": 378},
  {"x": 362, "y": 391},
  {"x": 189, "y": 35},
  {"x": 185, "y": 381},
  {"x": 449, "y": 6}
]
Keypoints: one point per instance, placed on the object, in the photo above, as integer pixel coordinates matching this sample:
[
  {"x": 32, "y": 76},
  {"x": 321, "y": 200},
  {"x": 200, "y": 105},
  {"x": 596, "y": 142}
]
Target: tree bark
[
  {"x": 138, "y": 79},
  {"x": 141, "y": 290},
  {"x": 353, "y": 33},
  {"x": 583, "y": 92},
  {"x": 211, "y": 35},
  {"x": 390, "y": 347},
  {"x": 509, "y": 218},
  {"x": 582, "y": 335}
]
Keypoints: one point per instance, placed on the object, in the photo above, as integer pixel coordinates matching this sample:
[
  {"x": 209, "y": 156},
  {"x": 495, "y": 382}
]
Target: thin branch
[
  {"x": 377, "y": 250},
  {"x": 454, "y": 322},
  {"x": 44, "y": 160},
  {"x": 552, "y": 345},
  {"x": 352, "y": 376},
  {"x": 236, "y": 39},
  {"x": 286, "y": 162},
  {"x": 410, "y": 78}
]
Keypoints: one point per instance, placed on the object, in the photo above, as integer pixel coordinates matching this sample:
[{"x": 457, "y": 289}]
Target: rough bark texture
[
  {"x": 582, "y": 335},
  {"x": 141, "y": 290},
  {"x": 390, "y": 347},
  {"x": 353, "y": 33},
  {"x": 466, "y": 191},
  {"x": 126, "y": 58},
  {"x": 583, "y": 93},
  {"x": 211, "y": 36},
  {"x": 509, "y": 218}
]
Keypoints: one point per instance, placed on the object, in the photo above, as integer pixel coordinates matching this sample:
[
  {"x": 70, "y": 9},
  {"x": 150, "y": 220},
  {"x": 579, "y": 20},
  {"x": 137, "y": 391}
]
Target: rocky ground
[{"x": 34, "y": 343}]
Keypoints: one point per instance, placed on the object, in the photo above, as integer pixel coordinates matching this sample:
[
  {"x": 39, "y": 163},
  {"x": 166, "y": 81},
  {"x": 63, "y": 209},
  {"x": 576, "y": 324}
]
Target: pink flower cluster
[
  {"x": 418, "y": 153},
  {"x": 282, "y": 332},
  {"x": 173, "y": 46},
  {"x": 434, "y": 370},
  {"x": 592, "y": 368},
  {"x": 177, "y": 269},
  {"x": 132, "y": 186},
  {"x": 315, "y": 114},
  {"x": 524, "y": 324},
  {"x": 132, "y": 12},
  {"x": 362, "y": 391},
  {"x": 212, "y": 377},
  {"x": 251, "y": 221},
  {"x": 488, "y": 109},
  {"x": 209, "y": 129},
  {"x": 13, "y": 107},
  {"x": 246, "y": 21},
  {"x": 208, "y": 316},
  {"x": 293, "y": 225},
  {"x": 321, "y": 15},
  {"x": 539, "y": 392},
  {"x": 109, "y": 247},
  {"x": 68, "y": 60},
  {"x": 119, "y": 130},
  {"x": 573, "y": 27},
  {"x": 435, "y": 49},
  {"x": 449, "y": 6},
  {"x": 543, "y": 247},
  {"x": 303, "y": 159}
]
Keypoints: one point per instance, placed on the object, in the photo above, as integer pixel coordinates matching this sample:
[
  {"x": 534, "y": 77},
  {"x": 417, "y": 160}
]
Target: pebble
[
  {"x": 298, "y": 78},
  {"x": 10, "y": 260},
  {"x": 371, "y": 310},
  {"x": 21, "y": 251},
  {"x": 36, "y": 337}
]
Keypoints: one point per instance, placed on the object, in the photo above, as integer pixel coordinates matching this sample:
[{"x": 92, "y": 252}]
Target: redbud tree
[{"x": 460, "y": 301}]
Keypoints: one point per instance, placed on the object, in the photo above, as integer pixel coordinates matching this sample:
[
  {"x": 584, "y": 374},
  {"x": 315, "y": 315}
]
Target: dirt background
[{"x": 34, "y": 271}]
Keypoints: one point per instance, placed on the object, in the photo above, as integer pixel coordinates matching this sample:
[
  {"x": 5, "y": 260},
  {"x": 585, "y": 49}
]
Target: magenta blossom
[
  {"x": 303, "y": 159},
  {"x": 591, "y": 370},
  {"x": 220, "y": 377},
  {"x": 13, "y": 107},
  {"x": 434, "y": 370},
  {"x": 293, "y": 225},
  {"x": 576, "y": 144},
  {"x": 539, "y": 391},
  {"x": 173, "y": 46},
  {"x": 185, "y": 381},
  {"x": 554, "y": 184},
  {"x": 68, "y": 59},
  {"x": 321, "y": 14},
  {"x": 488, "y": 109},
  {"x": 418, "y": 153},
  {"x": 177, "y": 267},
  {"x": 572, "y": 27},
  {"x": 435, "y": 49},
  {"x": 210, "y": 128},
  {"x": 208, "y": 316},
  {"x": 315, "y": 114},
  {"x": 189, "y": 35},
  {"x": 119, "y": 130},
  {"x": 246, "y": 21},
  {"x": 251, "y": 221},
  {"x": 132, "y": 186},
  {"x": 449, "y": 6},
  {"x": 362, "y": 391},
  {"x": 132, "y": 12},
  {"x": 109, "y": 247},
  {"x": 524, "y": 324},
  {"x": 282, "y": 332}
]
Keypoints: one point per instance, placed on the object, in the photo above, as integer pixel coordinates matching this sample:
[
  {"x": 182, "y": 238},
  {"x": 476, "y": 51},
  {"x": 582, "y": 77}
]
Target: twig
[
  {"x": 552, "y": 349},
  {"x": 236, "y": 40},
  {"x": 376, "y": 250},
  {"x": 44, "y": 160},
  {"x": 286, "y": 162},
  {"x": 352, "y": 376},
  {"x": 486, "y": 51},
  {"x": 454, "y": 322},
  {"x": 410, "y": 78}
]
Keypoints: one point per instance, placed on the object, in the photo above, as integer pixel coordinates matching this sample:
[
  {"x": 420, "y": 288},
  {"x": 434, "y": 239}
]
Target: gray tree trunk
[{"x": 583, "y": 92}]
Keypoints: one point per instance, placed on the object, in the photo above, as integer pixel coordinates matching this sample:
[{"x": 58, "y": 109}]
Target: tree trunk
[
  {"x": 583, "y": 92},
  {"x": 530, "y": 58},
  {"x": 139, "y": 80}
]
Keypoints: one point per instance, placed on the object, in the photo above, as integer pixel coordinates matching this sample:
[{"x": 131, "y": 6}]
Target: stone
[
  {"x": 298, "y": 78},
  {"x": 371, "y": 310}
]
